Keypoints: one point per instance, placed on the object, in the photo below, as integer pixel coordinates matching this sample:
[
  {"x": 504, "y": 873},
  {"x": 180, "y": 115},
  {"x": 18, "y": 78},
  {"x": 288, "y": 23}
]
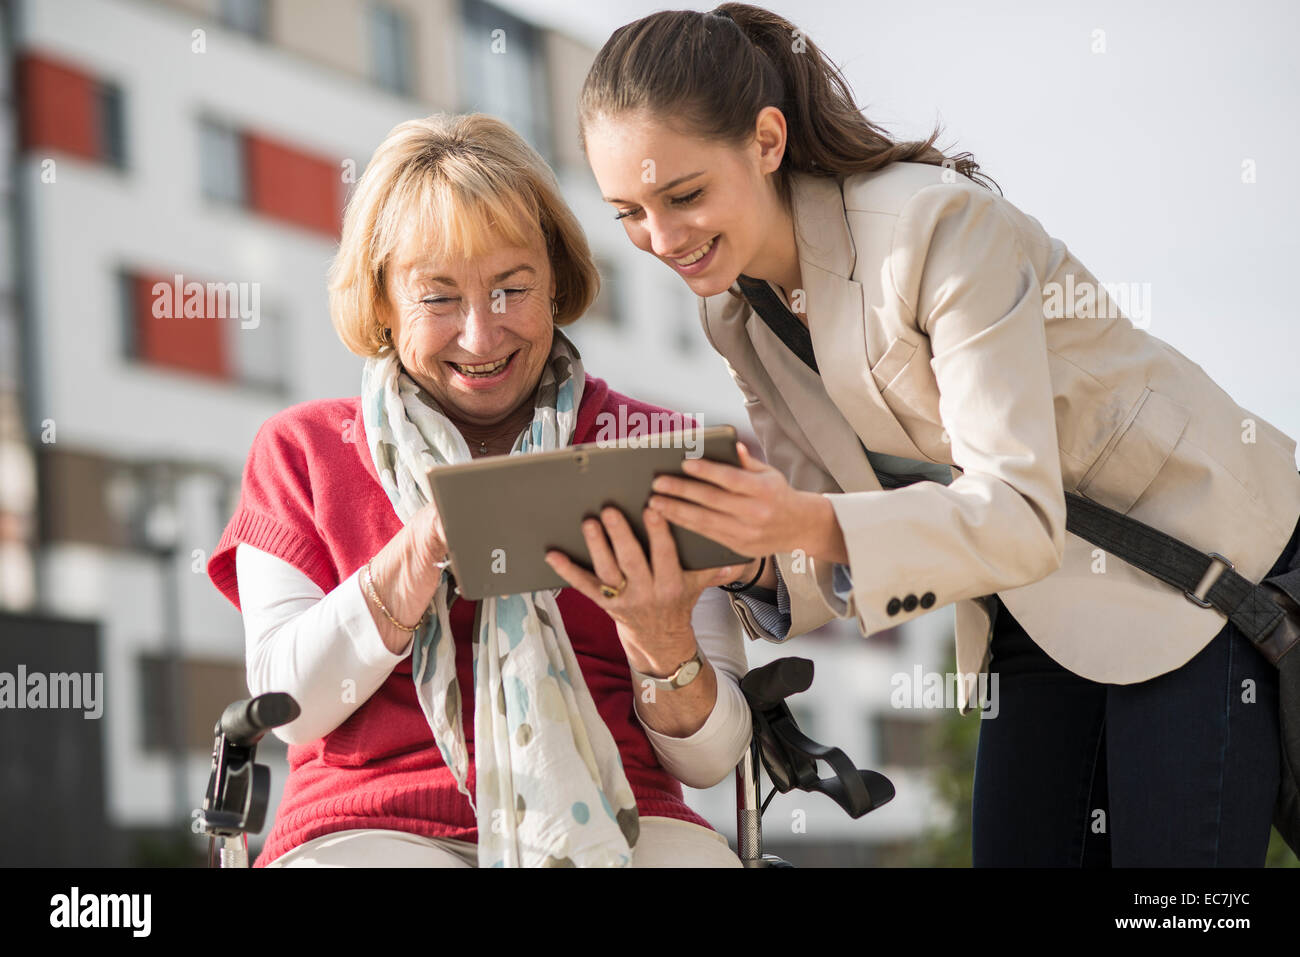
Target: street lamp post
[{"x": 161, "y": 534}]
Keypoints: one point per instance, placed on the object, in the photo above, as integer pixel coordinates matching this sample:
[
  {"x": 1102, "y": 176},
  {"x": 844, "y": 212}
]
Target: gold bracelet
[{"x": 374, "y": 596}]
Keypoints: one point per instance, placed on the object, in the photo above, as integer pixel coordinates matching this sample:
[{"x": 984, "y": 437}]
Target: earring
[{"x": 555, "y": 309}]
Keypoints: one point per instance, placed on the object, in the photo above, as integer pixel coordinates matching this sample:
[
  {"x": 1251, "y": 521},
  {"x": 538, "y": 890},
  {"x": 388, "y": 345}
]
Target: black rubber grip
[
  {"x": 244, "y": 722},
  {"x": 771, "y": 684}
]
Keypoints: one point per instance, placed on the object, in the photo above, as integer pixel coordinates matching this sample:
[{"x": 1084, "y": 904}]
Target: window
[
  {"x": 126, "y": 313},
  {"x": 112, "y": 132},
  {"x": 269, "y": 177},
  {"x": 66, "y": 109},
  {"x": 293, "y": 186},
  {"x": 504, "y": 72},
  {"x": 158, "y": 329},
  {"x": 85, "y": 498},
  {"x": 245, "y": 16},
  {"x": 221, "y": 330},
  {"x": 221, "y": 163},
  {"x": 186, "y": 697},
  {"x": 256, "y": 349},
  {"x": 390, "y": 57}
]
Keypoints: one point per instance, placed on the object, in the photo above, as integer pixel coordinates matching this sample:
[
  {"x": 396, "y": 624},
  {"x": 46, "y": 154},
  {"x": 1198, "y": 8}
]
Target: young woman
[{"x": 928, "y": 372}]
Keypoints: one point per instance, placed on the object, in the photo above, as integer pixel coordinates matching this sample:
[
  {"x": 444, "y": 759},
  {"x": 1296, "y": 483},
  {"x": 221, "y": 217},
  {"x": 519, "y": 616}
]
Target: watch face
[{"x": 688, "y": 672}]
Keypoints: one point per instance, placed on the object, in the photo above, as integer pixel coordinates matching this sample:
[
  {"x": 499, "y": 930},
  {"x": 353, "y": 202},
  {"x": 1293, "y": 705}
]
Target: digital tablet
[{"x": 502, "y": 514}]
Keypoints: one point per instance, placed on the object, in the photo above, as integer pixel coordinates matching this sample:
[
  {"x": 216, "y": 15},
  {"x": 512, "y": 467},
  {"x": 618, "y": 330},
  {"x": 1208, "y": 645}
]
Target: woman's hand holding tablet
[
  {"x": 502, "y": 515},
  {"x": 752, "y": 509},
  {"x": 653, "y": 606}
]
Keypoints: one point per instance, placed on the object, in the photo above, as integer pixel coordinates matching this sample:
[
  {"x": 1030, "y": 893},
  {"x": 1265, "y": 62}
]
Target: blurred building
[{"x": 213, "y": 141}]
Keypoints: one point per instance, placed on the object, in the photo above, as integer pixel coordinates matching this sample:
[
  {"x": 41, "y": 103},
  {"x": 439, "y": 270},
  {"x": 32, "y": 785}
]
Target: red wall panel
[
  {"x": 59, "y": 107},
  {"x": 191, "y": 343},
  {"x": 293, "y": 186}
]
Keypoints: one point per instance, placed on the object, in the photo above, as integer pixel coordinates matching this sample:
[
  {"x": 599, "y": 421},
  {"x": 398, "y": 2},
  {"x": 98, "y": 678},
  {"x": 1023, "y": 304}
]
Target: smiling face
[
  {"x": 711, "y": 211},
  {"x": 447, "y": 315}
]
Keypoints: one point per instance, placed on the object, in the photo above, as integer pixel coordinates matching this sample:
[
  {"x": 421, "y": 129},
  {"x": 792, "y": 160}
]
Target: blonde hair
[{"x": 463, "y": 181}]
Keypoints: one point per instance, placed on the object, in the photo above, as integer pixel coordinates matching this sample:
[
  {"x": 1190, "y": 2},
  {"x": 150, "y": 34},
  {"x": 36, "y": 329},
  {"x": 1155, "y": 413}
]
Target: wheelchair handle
[
  {"x": 768, "y": 686},
  {"x": 239, "y": 789},
  {"x": 245, "y": 722},
  {"x": 790, "y": 756}
]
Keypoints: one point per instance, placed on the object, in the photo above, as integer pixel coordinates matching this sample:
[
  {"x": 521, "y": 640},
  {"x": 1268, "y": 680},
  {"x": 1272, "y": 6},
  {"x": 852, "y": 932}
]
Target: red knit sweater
[{"x": 311, "y": 497}]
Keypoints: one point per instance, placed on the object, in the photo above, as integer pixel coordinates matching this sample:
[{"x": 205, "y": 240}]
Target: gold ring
[{"x": 613, "y": 591}]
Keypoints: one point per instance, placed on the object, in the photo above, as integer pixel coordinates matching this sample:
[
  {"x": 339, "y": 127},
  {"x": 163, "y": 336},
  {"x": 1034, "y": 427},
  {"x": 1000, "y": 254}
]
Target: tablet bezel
[{"x": 628, "y": 464}]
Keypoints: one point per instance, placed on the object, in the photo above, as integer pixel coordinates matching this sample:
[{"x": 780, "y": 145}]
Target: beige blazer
[{"x": 950, "y": 328}]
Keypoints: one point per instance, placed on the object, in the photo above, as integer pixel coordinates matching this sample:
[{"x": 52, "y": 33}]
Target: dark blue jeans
[{"x": 1177, "y": 771}]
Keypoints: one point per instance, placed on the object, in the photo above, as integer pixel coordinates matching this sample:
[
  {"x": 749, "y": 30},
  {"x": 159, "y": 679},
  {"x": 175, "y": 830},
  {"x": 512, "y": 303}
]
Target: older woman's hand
[
  {"x": 406, "y": 575},
  {"x": 428, "y": 532},
  {"x": 653, "y": 613}
]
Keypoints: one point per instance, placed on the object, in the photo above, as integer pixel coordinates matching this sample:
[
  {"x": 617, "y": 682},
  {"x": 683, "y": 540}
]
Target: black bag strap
[
  {"x": 779, "y": 319},
  {"x": 1247, "y": 605},
  {"x": 796, "y": 337}
]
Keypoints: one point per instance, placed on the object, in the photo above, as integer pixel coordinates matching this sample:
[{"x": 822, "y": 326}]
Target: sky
[{"x": 1123, "y": 128}]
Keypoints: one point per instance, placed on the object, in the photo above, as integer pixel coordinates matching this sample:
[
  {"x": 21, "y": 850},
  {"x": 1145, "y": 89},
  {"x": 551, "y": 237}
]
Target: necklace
[{"x": 482, "y": 448}]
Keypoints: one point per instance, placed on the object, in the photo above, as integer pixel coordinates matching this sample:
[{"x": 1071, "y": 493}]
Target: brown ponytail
[{"x": 713, "y": 72}]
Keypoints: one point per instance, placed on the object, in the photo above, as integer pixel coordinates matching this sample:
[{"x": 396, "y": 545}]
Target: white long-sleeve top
[{"x": 300, "y": 640}]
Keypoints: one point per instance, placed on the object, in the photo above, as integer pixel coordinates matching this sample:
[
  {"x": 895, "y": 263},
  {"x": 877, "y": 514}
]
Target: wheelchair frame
[{"x": 239, "y": 788}]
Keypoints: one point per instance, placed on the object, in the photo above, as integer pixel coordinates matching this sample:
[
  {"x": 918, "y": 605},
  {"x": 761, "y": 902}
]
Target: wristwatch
[{"x": 686, "y": 672}]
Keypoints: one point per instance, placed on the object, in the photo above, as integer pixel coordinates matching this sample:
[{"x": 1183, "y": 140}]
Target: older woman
[{"x": 444, "y": 732}]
